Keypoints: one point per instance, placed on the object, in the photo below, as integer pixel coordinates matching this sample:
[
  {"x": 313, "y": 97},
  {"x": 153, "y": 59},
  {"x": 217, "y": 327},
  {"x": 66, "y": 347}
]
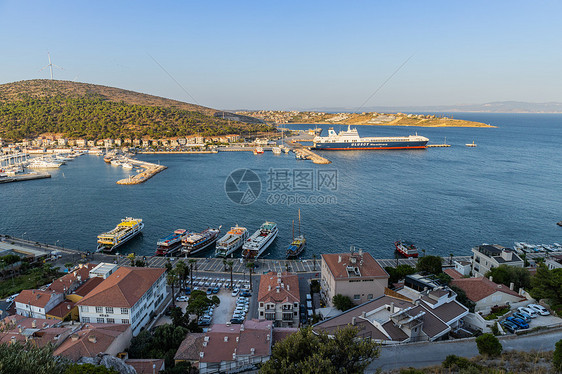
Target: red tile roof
[
  {"x": 279, "y": 289},
  {"x": 479, "y": 288},
  {"x": 144, "y": 366},
  {"x": 123, "y": 288},
  {"x": 72, "y": 279},
  {"x": 368, "y": 267},
  {"x": 88, "y": 342},
  {"x": 89, "y": 285},
  {"x": 61, "y": 310},
  {"x": 453, "y": 273},
  {"x": 35, "y": 298},
  {"x": 190, "y": 347}
]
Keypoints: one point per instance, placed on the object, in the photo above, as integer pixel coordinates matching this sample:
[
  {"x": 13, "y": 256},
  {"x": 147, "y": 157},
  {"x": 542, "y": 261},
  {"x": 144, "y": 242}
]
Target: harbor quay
[{"x": 62, "y": 255}]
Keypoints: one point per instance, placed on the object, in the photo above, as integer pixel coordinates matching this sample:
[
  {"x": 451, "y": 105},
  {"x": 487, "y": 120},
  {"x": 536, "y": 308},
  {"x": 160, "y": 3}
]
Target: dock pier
[
  {"x": 150, "y": 171},
  {"x": 24, "y": 177}
]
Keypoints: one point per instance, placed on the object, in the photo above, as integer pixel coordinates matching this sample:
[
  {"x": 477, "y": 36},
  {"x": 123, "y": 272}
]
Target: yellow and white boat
[{"x": 126, "y": 230}]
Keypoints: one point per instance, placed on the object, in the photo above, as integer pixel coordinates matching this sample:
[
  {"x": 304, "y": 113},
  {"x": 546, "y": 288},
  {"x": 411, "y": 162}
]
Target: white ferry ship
[
  {"x": 350, "y": 140},
  {"x": 125, "y": 231},
  {"x": 232, "y": 241},
  {"x": 259, "y": 241}
]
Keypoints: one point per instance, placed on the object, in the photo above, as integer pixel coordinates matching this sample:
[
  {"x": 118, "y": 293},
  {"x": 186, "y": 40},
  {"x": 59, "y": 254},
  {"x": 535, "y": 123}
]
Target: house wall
[
  {"x": 497, "y": 298},
  {"x": 37, "y": 312}
]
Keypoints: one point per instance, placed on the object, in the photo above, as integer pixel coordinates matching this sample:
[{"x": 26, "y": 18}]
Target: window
[
  {"x": 86, "y": 319},
  {"x": 356, "y": 297},
  {"x": 83, "y": 308},
  {"x": 261, "y": 305},
  {"x": 370, "y": 296},
  {"x": 99, "y": 309},
  {"x": 100, "y": 320},
  {"x": 110, "y": 320},
  {"x": 109, "y": 310},
  {"x": 125, "y": 320},
  {"x": 124, "y": 311}
]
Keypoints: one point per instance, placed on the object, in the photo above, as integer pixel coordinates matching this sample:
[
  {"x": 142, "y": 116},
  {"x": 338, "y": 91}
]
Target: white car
[
  {"x": 235, "y": 292},
  {"x": 539, "y": 309},
  {"x": 182, "y": 298},
  {"x": 11, "y": 299},
  {"x": 528, "y": 311}
]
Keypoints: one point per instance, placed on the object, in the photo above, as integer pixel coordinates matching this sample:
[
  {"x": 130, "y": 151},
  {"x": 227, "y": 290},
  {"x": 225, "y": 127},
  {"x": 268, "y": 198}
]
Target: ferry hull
[{"x": 356, "y": 146}]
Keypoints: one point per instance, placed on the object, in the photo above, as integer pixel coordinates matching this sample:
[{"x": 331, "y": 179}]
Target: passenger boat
[
  {"x": 298, "y": 244},
  {"x": 170, "y": 244},
  {"x": 127, "y": 165},
  {"x": 276, "y": 150},
  {"x": 196, "y": 242},
  {"x": 258, "y": 151},
  {"x": 351, "y": 141},
  {"x": 125, "y": 231},
  {"x": 115, "y": 162},
  {"x": 259, "y": 241},
  {"x": 406, "y": 248},
  {"x": 232, "y": 241},
  {"x": 43, "y": 163}
]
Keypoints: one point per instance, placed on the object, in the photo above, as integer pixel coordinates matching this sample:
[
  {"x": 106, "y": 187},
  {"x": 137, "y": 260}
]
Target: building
[
  {"x": 93, "y": 339},
  {"x": 36, "y": 303},
  {"x": 103, "y": 270},
  {"x": 40, "y": 332},
  {"x": 80, "y": 142},
  {"x": 486, "y": 294},
  {"x": 486, "y": 257},
  {"x": 554, "y": 262},
  {"x": 395, "y": 320},
  {"x": 128, "y": 296},
  {"x": 463, "y": 267},
  {"x": 62, "y": 141},
  {"x": 279, "y": 298},
  {"x": 71, "y": 281},
  {"x": 355, "y": 274},
  {"x": 190, "y": 348},
  {"x": 235, "y": 348},
  {"x": 147, "y": 365}
]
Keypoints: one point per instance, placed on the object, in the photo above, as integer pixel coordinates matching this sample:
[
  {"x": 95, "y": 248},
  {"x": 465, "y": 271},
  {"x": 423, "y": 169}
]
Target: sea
[{"x": 446, "y": 200}]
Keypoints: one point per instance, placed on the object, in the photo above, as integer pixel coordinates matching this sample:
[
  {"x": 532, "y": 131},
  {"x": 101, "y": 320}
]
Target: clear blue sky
[{"x": 293, "y": 54}]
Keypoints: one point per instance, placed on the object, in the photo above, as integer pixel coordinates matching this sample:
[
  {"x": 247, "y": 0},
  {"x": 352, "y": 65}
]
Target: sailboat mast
[
  {"x": 299, "y": 222},
  {"x": 293, "y": 229}
]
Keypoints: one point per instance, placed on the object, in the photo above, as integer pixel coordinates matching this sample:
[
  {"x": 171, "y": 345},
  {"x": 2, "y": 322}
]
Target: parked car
[
  {"x": 519, "y": 322},
  {"x": 209, "y": 291},
  {"x": 539, "y": 309},
  {"x": 524, "y": 316},
  {"x": 204, "y": 322},
  {"x": 182, "y": 299},
  {"x": 509, "y": 326},
  {"x": 216, "y": 290},
  {"x": 246, "y": 294},
  {"x": 188, "y": 291},
  {"x": 237, "y": 321},
  {"x": 528, "y": 311},
  {"x": 235, "y": 292}
]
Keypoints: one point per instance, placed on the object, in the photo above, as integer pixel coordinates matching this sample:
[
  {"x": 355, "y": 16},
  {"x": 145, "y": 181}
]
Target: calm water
[{"x": 444, "y": 199}]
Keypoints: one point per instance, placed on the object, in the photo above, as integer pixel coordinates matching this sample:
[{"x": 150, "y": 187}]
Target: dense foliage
[
  {"x": 399, "y": 272},
  {"x": 463, "y": 299},
  {"x": 89, "y": 369},
  {"x": 557, "y": 357},
  {"x": 342, "y": 302},
  {"x": 198, "y": 302},
  {"x": 489, "y": 345},
  {"x": 162, "y": 343},
  {"x": 94, "y": 117},
  {"x": 430, "y": 265},
  {"x": 27, "y": 276},
  {"x": 307, "y": 352},
  {"x": 505, "y": 275},
  {"x": 28, "y": 359},
  {"x": 547, "y": 284}
]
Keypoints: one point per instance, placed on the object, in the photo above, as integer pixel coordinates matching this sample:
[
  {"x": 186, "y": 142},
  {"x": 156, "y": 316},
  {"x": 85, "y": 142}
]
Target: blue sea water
[{"x": 446, "y": 200}]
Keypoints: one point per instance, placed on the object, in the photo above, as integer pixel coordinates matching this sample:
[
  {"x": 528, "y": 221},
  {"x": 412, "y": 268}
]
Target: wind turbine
[{"x": 50, "y": 65}]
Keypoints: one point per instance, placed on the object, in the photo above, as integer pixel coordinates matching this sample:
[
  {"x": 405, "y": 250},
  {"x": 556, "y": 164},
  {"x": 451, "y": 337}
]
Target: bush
[
  {"x": 557, "y": 356},
  {"x": 456, "y": 362},
  {"x": 489, "y": 345},
  {"x": 495, "y": 329},
  {"x": 342, "y": 302}
]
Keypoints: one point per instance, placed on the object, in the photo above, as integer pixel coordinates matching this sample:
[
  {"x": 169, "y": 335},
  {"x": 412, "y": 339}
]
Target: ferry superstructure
[
  {"x": 259, "y": 241},
  {"x": 196, "y": 242},
  {"x": 125, "y": 231},
  {"x": 232, "y": 241},
  {"x": 171, "y": 243},
  {"x": 349, "y": 140},
  {"x": 406, "y": 248}
]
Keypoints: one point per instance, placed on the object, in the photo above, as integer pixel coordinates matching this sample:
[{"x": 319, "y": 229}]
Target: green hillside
[{"x": 79, "y": 110}]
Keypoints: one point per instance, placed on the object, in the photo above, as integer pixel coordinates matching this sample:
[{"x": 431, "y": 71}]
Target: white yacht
[{"x": 232, "y": 241}]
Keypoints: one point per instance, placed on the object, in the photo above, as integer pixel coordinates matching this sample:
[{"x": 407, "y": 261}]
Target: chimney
[
  {"x": 511, "y": 286},
  {"x": 242, "y": 327},
  {"x": 13, "y": 340},
  {"x": 252, "y": 351},
  {"x": 364, "y": 314},
  {"x": 491, "y": 278},
  {"x": 269, "y": 288},
  {"x": 92, "y": 339},
  {"x": 205, "y": 344},
  {"x": 74, "y": 337},
  {"x": 201, "y": 354},
  {"x": 34, "y": 323},
  {"x": 225, "y": 339},
  {"x": 392, "y": 307},
  {"x": 353, "y": 321},
  {"x": 288, "y": 288},
  {"x": 20, "y": 329},
  {"x": 277, "y": 289},
  {"x": 339, "y": 259},
  {"x": 267, "y": 338},
  {"x": 507, "y": 255},
  {"x": 234, "y": 356}
]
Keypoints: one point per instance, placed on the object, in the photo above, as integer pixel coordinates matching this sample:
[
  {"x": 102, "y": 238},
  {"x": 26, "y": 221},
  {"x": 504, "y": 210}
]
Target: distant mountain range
[{"x": 493, "y": 107}]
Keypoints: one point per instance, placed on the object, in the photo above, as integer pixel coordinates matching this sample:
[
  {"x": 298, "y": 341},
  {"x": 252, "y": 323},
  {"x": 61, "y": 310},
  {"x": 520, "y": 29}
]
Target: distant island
[
  {"x": 365, "y": 118},
  {"x": 80, "y": 110}
]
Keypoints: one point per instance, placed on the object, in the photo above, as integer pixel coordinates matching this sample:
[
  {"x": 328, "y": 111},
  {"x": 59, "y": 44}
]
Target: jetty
[
  {"x": 177, "y": 152},
  {"x": 150, "y": 171},
  {"x": 304, "y": 153},
  {"x": 24, "y": 177},
  {"x": 438, "y": 145}
]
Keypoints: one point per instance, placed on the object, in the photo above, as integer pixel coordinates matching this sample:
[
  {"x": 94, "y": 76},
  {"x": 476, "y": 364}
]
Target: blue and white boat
[
  {"x": 196, "y": 242},
  {"x": 259, "y": 241},
  {"x": 171, "y": 243},
  {"x": 350, "y": 140}
]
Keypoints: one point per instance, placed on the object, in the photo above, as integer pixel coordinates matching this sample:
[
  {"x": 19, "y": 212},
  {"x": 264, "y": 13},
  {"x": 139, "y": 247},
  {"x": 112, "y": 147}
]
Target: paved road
[{"x": 428, "y": 354}]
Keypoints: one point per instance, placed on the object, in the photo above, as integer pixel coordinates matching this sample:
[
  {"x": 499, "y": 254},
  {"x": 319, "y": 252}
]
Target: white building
[
  {"x": 103, "y": 270},
  {"x": 128, "y": 296},
  {"x": 486, "y": 257},
  {"x": 36, "y": 303}
]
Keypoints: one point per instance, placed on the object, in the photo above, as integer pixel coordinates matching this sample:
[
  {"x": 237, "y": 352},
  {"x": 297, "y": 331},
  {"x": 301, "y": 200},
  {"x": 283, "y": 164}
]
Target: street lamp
[
  {"x": 57, "y": 242},
  {"x": 22, "y": 235}
]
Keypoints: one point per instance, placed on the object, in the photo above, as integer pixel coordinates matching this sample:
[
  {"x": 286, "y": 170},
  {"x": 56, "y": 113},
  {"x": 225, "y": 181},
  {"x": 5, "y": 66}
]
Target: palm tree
[
  {"x": 230, "y": 264},
  {"x": 192, "y": 262},
  {"x": 171, "y": 279},
  {"x": 251, "y": 265},
  {"x": 131, "y": 256},
  {"x": 450, "y": 259},
  {"x": 182, "y": 271},
  {"x": 314, "y": 261}
]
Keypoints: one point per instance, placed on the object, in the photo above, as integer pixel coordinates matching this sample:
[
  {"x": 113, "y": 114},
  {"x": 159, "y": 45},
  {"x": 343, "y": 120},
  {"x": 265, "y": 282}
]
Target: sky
[{"x": 288, "y": 55}]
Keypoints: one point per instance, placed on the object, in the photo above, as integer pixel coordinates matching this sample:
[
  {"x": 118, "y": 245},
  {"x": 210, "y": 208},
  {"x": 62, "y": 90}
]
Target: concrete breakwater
[
  {"x": 24, "y": 177},
  {"x": 150, "y": 171}
]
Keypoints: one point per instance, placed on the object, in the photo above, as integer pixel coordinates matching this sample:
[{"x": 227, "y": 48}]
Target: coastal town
[{"x": 230, "y": 314}]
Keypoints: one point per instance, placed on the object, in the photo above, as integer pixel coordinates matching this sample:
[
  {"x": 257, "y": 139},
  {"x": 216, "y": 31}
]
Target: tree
[
  {"x": 230, "y": 265},
  {"x": 171, "y": 279},
  {"x": 192, "y": 262},
  {"x": 308, "y": 352},
  {"x": 489, "y": 345},
  {"x": 131, "y": 257},
  {"x": 198, "y": 302},
  {"x": 342, "y": 302},
  {"x": 463, "y": 299},
  {"x": 26, "y": 358},
  {"x": 162, "y": 343},
  {"x": 182, "y": 271},
  {"x": 504, "y": 274},
  {"x": 68, "y": 266},
  {"x": 89, "y": 369},
  {"x": 430, "y": 264},
  {"x": 547, "y": 284},
  {"x": 399, "y": 272},
  {"x": 251, "y": 265},
  {"x": 557, "y": 356}
]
